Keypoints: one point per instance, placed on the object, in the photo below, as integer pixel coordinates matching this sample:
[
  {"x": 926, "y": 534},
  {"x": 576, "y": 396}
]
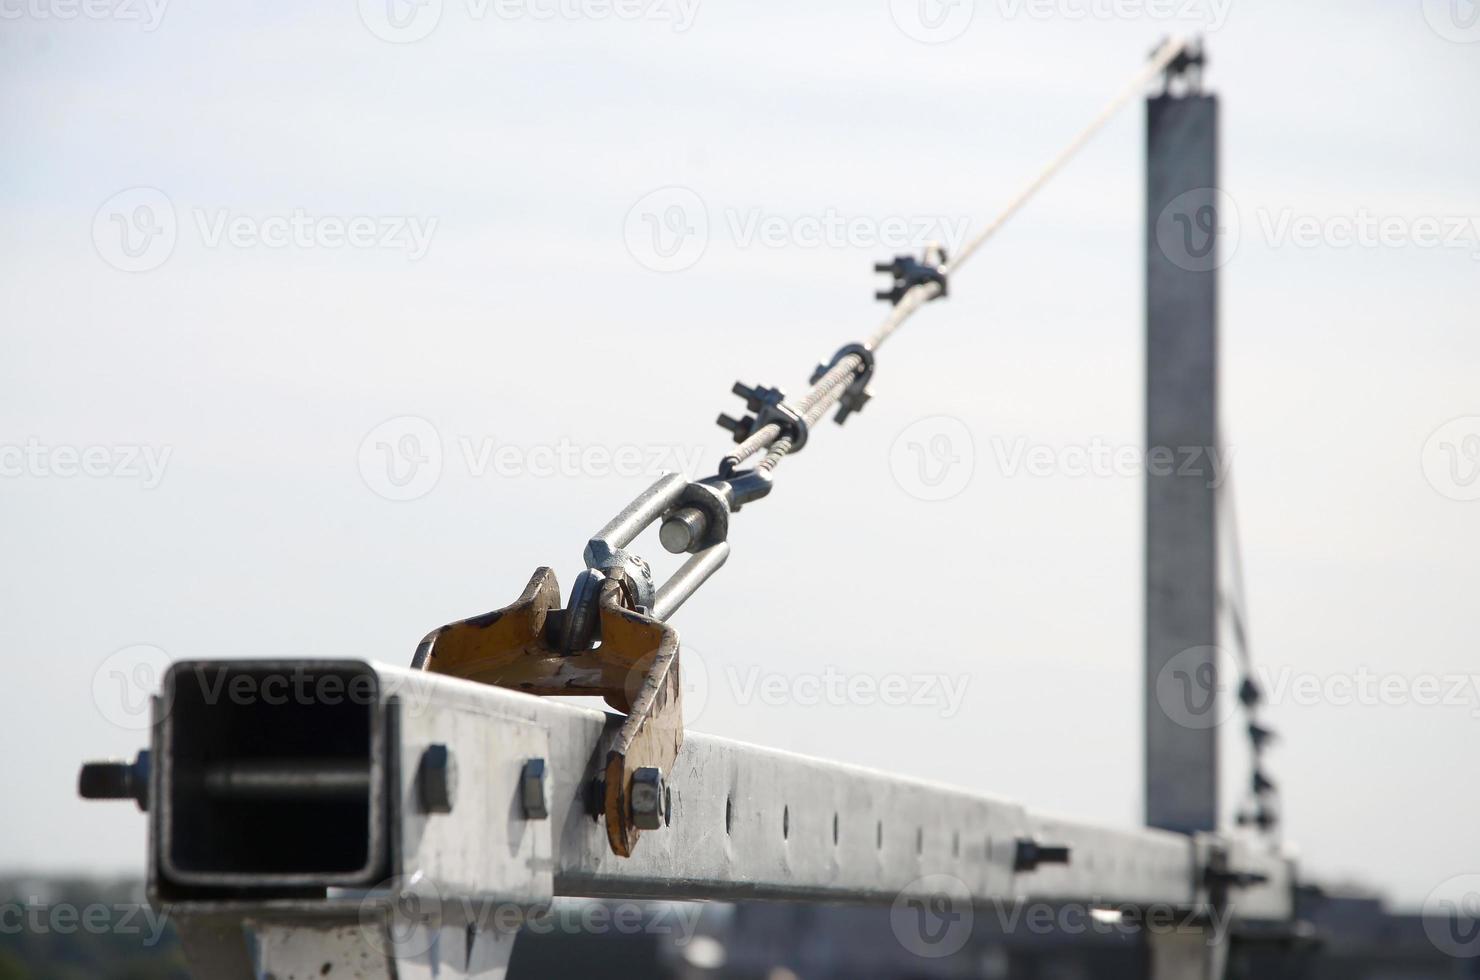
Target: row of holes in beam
[{"x": 878, "y": 834}]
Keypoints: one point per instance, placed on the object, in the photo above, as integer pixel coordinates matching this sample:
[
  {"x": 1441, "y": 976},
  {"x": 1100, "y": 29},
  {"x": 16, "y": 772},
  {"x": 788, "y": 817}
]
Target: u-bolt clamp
[
  {"x": 770, "y": 408},
  {"x": 909, "y": 272},
  {"x": 857, "y": 394}
]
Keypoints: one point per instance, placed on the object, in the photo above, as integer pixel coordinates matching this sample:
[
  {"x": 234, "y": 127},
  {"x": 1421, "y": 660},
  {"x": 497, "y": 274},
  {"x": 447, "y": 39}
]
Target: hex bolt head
[
  {"x": 532, "y": 798},
  {"x": 436, "y": 779},
  {"x": 1030, "y": 854},
  {"x": 647, "y": 798},
  {"x": 116, "y": 780}
]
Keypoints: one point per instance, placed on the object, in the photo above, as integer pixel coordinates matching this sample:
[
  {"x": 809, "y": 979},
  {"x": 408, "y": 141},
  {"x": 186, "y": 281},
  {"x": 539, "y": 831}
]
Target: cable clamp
[
  {"x": 857, "y": 395},
  {"x": 1186, "y": 66},
  {"x": 909, "y": 272},
  {"x": 769, "y": 406}
]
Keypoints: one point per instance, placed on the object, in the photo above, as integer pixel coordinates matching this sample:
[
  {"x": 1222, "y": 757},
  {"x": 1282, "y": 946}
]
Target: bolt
[
  {"x": 116, "y": 780},
  {"x": 647, "y": 798},
  {"x": 683, "y": 530},
  {"x": 532, "y": 790},
  {"x": 1031, "y": 854},
  {"x": 436, "y": 779}
]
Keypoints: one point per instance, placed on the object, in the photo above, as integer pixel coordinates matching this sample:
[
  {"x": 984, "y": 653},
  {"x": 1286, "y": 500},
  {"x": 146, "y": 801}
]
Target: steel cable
[{"x": 826, "y": 391}]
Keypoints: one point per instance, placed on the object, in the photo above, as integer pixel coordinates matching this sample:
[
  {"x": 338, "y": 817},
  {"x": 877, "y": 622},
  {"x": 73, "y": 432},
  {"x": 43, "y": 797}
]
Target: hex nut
[{"x": 647, "y": 798}]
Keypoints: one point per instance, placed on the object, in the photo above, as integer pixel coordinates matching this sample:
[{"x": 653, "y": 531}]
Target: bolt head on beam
[
  {"x": 437, "y": 779},
  {"x": 532, "y": 798}
]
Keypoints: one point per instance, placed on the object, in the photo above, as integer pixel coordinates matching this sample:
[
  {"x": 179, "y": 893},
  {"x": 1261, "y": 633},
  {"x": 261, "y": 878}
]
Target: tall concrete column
[{"x": 1182, "y": 258}]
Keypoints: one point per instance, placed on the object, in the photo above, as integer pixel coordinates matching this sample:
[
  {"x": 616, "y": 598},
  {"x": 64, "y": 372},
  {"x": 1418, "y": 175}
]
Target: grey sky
[{"x": 502, "y": 292}]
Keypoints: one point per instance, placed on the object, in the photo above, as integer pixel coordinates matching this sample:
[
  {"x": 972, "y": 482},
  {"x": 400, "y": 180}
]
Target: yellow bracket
[{"x": 634, "y": 667}]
